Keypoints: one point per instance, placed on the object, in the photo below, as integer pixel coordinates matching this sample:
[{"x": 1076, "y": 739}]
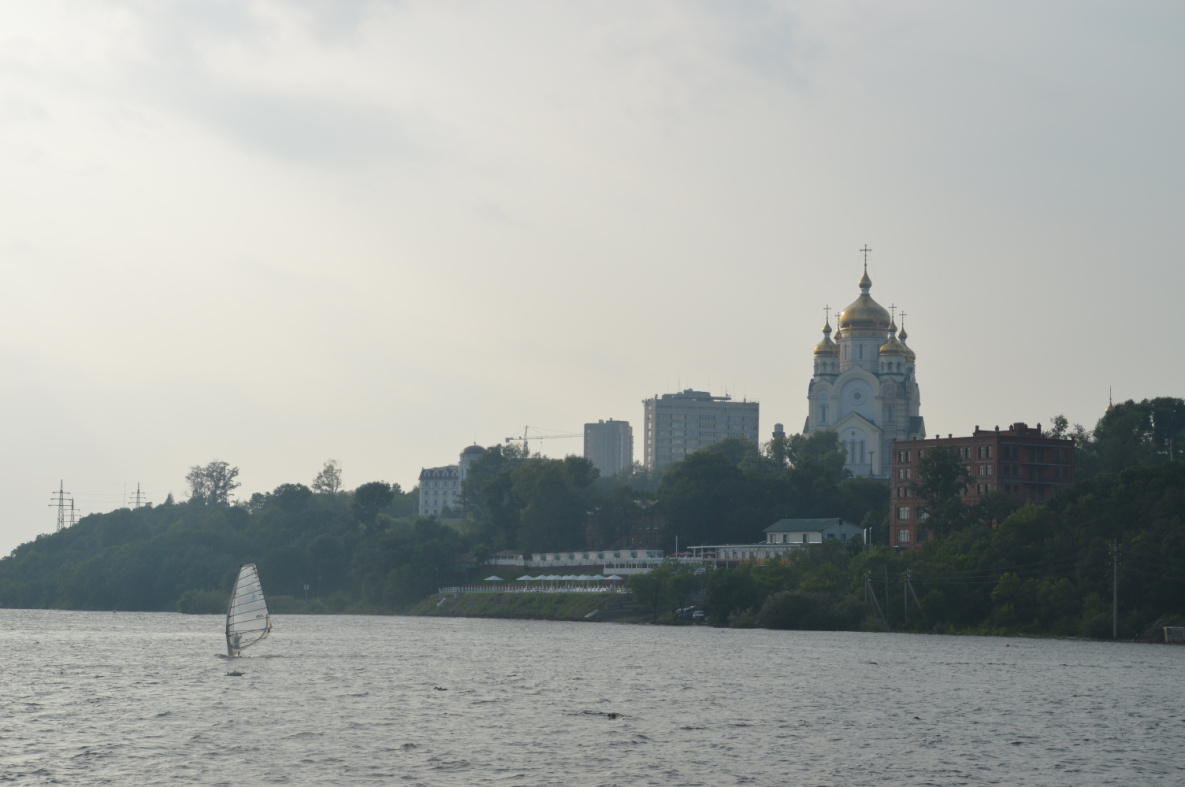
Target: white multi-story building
[
  {"x": 440, "y": 487},
  {"x": 680, "y": 424},
  {"x": 609, "y": 445},
  {"x": 864, "y": 387}
]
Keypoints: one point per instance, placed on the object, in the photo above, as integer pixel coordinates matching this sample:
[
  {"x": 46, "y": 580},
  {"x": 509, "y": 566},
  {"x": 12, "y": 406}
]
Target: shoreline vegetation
[{"x": 1005, "y": 568}]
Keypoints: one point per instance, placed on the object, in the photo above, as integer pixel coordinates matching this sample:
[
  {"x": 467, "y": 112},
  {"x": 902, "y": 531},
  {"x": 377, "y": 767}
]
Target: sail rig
[{"x": 247, "y": 620}]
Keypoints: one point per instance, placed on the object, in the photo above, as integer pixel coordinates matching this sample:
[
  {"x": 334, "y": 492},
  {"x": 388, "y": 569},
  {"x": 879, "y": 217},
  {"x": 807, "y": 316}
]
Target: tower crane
[{"x": 524, "y": 438}]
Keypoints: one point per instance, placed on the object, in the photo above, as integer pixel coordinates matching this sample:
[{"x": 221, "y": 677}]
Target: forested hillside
[
  {"x": 1044, "y": 570},
  {"x": 1054, "y": 569},
  {"x": 1040, "y": 569},
  {"x": 348, "y": 547}
]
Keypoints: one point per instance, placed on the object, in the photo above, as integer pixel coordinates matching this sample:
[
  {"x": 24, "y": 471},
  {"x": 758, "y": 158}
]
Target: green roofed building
[
  {"x": 810, "y": 531},
  {"x": 781, "y": 538}
]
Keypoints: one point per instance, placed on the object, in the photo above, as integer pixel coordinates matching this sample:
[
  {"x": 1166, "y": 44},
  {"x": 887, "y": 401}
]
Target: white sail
[{"x": 247, "y": 620}]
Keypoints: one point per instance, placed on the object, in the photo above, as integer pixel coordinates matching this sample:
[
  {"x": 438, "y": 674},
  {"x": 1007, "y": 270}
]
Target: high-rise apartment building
[
  {"x": 609, "y": 445},
  {"x": 679, "y": 424}
]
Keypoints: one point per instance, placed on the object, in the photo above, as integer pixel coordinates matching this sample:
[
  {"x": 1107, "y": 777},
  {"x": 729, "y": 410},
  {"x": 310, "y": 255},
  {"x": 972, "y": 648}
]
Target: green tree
[
  {"x": 369, "y": 499},
  {"x": 552, "y": 513},
  {"x": 212, "y": 484},
  {"x": 329, "y": 480},
  {"x": 478, "y": 498},
  {"x": 664, "y": 588},
  {"x": 291, "y": 498},
  {"x": 613, "y": 514},
  {"x": 942, "y": 480},
  {"x": 777, "y": 450},
  {"x": 706, "y": 500}
]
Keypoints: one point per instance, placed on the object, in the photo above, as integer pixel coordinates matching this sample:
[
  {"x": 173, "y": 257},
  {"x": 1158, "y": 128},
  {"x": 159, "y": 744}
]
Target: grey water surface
[{"x": 141, "y": 698}]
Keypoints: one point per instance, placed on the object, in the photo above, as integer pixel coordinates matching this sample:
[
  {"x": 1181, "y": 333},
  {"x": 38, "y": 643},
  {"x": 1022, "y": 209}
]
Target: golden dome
[
  {"x": 826, "y": 348},
  {"x": 909, "y": 354},
  {"x": 892, "y": 346},
  {"x": 865, "y": 313}
]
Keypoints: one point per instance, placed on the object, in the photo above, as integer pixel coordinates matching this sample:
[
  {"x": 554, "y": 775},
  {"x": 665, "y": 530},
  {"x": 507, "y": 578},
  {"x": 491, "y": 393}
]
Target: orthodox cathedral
[{"x": 864, "y": 386}]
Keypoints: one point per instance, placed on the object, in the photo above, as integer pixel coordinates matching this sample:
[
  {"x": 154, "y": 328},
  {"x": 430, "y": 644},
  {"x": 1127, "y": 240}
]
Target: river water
[{"x": 141, "y": 698}]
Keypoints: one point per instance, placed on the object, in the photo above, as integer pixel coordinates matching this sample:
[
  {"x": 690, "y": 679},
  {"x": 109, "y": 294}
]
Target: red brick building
[{"x": 1019, "y": 462}]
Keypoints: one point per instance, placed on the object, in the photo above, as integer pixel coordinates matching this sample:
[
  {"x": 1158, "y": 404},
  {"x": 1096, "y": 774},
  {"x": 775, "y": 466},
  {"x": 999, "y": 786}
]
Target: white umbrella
[
  {"x": 525, "y": 578},
  {"x": 614, "y": 578},
  {"x": 494, "y": 578}
]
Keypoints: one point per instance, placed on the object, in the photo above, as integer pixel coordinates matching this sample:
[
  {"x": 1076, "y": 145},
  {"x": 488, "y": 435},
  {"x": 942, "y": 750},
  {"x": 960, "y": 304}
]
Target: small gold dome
[
  {"x": 909, "y": 354},
  {"x": 892, "y": 346},
  {"x": 827, "y": 348}
]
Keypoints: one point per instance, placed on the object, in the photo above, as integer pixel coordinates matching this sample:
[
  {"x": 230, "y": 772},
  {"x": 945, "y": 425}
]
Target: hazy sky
[{"x": 274, "y": 233}]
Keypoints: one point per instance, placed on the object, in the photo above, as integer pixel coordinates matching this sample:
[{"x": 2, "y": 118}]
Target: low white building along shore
[
  {"x": 608, "y": 559},
  {"x": 780, "y": 538}
]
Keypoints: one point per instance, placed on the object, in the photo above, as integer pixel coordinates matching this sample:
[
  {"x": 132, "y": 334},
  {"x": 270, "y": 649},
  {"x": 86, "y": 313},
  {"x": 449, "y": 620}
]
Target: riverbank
[{"x": 533, "y": 606}]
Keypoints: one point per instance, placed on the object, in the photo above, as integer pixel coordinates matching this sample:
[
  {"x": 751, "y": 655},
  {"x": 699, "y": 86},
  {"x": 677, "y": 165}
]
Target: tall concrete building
[
  {"x": 864, "y": 386},
  {"x": 679, "y": 424},
  {"x": 609, "y": 445}
]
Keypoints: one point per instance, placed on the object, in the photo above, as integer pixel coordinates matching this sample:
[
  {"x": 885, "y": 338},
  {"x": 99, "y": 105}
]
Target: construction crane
[{"x": 524, "y": 438}]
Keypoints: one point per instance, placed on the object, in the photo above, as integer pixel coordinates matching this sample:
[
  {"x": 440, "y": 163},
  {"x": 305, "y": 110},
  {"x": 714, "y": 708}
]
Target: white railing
[{"x": 531, "y": 589}]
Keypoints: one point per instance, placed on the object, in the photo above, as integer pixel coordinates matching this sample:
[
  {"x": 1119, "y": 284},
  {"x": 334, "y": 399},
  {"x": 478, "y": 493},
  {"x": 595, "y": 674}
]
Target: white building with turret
[
  {"x": 864, "y": 387},
  {"x": 440, "y": 487}
]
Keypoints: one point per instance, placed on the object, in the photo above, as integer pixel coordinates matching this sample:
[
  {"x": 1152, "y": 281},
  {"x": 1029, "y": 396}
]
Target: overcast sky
[{"x": 274, "y": 233}]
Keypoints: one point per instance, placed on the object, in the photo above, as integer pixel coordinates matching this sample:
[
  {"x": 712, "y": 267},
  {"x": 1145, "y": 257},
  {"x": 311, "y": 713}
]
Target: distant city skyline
[{"x": 278, "y": 233}]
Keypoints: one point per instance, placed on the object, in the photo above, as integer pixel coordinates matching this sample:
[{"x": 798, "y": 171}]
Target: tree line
[
  {"x": 1117, "y": 534},
  {"x": 991, "y": 567},
  {"x": 360, "y": 550}
]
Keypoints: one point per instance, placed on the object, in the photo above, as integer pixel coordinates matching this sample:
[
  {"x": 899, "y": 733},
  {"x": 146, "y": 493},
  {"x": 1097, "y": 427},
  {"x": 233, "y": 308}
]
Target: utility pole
[
  {"x": 870, "y": 594},
  {"x": 59, "y": 499},
  {"x": 905, "y": 595},
  {"x": 886, "y": 567},
  {"x": 140, "y": 501},
  {"x": 1114, "y": 589},
  {"x": 912, "y": 592}
]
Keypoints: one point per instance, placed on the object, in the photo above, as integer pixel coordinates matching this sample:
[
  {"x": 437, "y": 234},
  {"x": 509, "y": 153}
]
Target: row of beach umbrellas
[{"x": 559, "y": 578}]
